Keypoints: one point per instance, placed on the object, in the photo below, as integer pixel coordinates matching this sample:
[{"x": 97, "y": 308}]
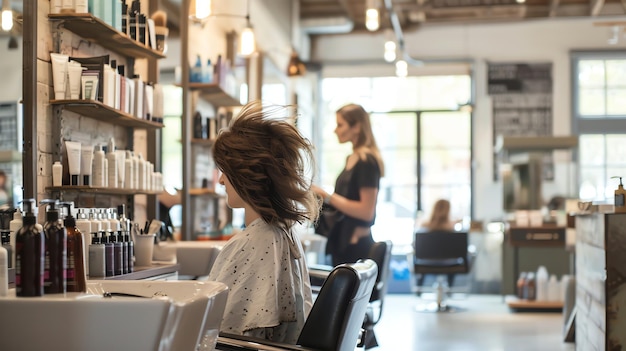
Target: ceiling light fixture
[
  {"x": 296, "y": 67},
  {"x": 390, "y": 51},
  {"x": 201, "y": 11},
  {"x": 372, "y": 20},
  {"x": 203, "y": 8},
  {"x": 402, "y": 69},
  {"x": 7, "y": 16}
]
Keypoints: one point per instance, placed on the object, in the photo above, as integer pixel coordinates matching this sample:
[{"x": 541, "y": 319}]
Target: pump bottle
[
  {"x": 620, "y": 197},
  {"x": 76, "y": 280},
  {"x": 83, "y": 224},
  {"x": 96, "y": 257},
  {"x": 56, "y": 250},
  {"x": 125, "y": 225},
  {"x": 14, "y": 226},
  {"x": 29, "y": 253}
]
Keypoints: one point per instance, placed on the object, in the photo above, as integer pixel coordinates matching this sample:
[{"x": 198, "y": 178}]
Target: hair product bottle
[
  {"x": 5, "y": 238},
  {"x": 29, "y": 253},
  {"x": 55, "y": 250},
  {"x": 620, "y": 197},
  {"x": 14, "y": 225},
  {"x": 76, "y": 279},
  {"x": 125, "y": 226},
  {"x": 96, "y": 257},
  {"x": 83, "y": 224}
]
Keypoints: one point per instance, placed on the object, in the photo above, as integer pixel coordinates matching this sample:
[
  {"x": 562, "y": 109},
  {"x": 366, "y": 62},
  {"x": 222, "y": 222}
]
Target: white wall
[{"x": 532, "y": 41}]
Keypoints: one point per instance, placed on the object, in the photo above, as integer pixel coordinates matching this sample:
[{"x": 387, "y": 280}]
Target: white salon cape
[{"x": 268, "y": 281}]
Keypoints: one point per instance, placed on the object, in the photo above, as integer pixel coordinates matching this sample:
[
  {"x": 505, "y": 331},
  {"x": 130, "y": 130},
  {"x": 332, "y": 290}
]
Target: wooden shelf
[
  {"x": 94, "y": 29},
  {"x": 515, "y": 303},
  {"x": 215, "y": 94},
  {"x": 198, "y": 141},
  {"x": 97, "y": 110},
  {"x": 204, "y": 192},
  {"x": 96, "y": 190}
]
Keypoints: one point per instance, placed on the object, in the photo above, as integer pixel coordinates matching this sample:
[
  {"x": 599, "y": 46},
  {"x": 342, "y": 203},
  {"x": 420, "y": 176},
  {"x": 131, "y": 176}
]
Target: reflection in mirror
[{"x": 11, "y": 118}]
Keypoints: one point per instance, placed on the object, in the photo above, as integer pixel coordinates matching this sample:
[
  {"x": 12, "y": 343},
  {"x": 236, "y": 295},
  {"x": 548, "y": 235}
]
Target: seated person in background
[
  {"x": 439, "y": 217},
  {"x": 263, "y": 164},
  {"x": 439, "y": 220}
]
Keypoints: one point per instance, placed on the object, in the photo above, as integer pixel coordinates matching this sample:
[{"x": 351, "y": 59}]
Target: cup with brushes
[{"x": 161, "y": 31}]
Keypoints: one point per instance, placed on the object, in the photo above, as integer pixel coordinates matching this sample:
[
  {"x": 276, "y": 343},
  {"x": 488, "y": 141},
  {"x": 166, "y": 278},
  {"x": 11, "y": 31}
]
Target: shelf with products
[
  {"x": 97, "y": 110},
  {"x": 214, "y": 94},
  {"x": 90, "y": 27},
  {"x": 100, "y": 190}
]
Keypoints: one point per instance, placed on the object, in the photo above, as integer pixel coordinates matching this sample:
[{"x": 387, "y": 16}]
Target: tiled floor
[{"x": 485, "y": 324}]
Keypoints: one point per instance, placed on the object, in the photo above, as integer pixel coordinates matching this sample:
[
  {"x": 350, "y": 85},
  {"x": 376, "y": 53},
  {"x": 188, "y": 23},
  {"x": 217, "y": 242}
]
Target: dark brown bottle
[
  {"x": 55, "y": 263},
  {"x": 29, "y": 254},
  {"x": 521, "y": 282},
  {"x": 531, "y": 287},
  {"x": 76, "y": 278}
]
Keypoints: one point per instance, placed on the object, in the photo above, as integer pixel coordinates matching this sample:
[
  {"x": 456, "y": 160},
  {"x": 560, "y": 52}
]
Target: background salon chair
[
  {"x": 440, "y": 253},
  {"x": 336, "y": 317}
]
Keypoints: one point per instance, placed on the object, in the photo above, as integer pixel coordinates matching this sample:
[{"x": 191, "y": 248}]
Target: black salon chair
[
  {"x": 381, "y": 254},
  {"x": 439, "y": 253},
  {"x": 334, "y": 323}
]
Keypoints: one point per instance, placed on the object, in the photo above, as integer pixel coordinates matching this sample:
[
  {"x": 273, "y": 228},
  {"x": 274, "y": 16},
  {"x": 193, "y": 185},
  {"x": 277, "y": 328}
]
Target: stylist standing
[{"x": 356, "y": 188}]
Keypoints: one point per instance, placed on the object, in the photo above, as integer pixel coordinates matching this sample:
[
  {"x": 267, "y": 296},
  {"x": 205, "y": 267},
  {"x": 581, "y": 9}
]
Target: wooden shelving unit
[
  {"x": 204, "y": 192},
  {"x": 97, "y": 110},
  {"x": 98, "y": 190},
  {"x": 96, "y": 30},
  {"x": 214, "y": 94},
  {"x": 519, "y": 304}
]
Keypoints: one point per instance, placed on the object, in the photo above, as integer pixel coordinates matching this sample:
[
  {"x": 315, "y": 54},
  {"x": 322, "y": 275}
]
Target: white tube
[
  {"x": 86, "y": 162},
  {"x": 74, "y": 70},
  {"x": 59, "y": 74},
  {"x": 90, "y": 87},
  {"x": 121, "y": 170},
  {"x": 73, "y": 160}
]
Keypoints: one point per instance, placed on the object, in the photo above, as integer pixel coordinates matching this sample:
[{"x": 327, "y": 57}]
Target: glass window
[{"x": 599, "y": 112}]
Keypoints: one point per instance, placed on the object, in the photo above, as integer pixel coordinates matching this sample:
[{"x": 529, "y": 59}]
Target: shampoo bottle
[
  {"x": 620, "y": 197},
  {"x": 125, "y": 226},
  {"x": 5, "y": 238},
  {"x": 109, "y": 254},
  {"x": 111, "y": 157},
  {"x": 98, "y": 167},
  {"x": 14, "y": 225},
  {"x": 29, "y": 253},
  {"x": 97, "y": 262},
  {"x": 76, "y": 279},
  {"x": 4, "y": 272},
  {"x": 55, "y": 250},
  {"x": 83, "y": 224}
]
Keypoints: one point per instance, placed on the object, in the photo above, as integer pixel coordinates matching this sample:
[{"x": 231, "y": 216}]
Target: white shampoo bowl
[{"x": 171, "y": 316}]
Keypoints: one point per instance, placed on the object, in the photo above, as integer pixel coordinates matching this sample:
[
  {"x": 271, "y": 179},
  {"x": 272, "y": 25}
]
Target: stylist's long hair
[{"x": 353, "y": 114}]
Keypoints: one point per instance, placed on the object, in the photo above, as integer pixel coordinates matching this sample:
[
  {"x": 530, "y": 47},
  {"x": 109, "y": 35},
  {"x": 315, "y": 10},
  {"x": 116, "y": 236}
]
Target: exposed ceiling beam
[{"x": 596, "y": 7}]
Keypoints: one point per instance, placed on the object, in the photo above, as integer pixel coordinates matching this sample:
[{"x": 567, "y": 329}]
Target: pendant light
[
  {"x": 7, "y": 16},
  {"x": 200, "y": 9},
  {"x": 247, "y": 43},
  {"x": 372, "y": 20},
  {"x": 296, "y": 66}
]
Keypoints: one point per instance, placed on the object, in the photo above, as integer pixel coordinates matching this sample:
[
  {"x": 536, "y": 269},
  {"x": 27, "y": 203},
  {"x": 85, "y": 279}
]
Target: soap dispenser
[
  {"x": 76, "y": 279},
  {"x": 14, "y": 225},
  {"x": 620, "y": 197},
  {"x": 55, "y": 250},
  {"x": 29, "y": 253}
]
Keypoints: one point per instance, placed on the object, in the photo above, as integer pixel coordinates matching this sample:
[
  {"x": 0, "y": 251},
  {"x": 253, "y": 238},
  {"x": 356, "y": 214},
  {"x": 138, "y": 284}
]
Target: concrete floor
[{"x": 485, "y": 324}]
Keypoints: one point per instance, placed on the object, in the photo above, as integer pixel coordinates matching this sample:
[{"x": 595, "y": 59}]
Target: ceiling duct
[{"x": 326, "y": 25}]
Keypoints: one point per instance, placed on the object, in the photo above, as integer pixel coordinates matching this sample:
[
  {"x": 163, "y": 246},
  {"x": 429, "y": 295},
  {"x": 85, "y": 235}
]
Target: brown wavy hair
[{"x": 265, "y": 159}]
